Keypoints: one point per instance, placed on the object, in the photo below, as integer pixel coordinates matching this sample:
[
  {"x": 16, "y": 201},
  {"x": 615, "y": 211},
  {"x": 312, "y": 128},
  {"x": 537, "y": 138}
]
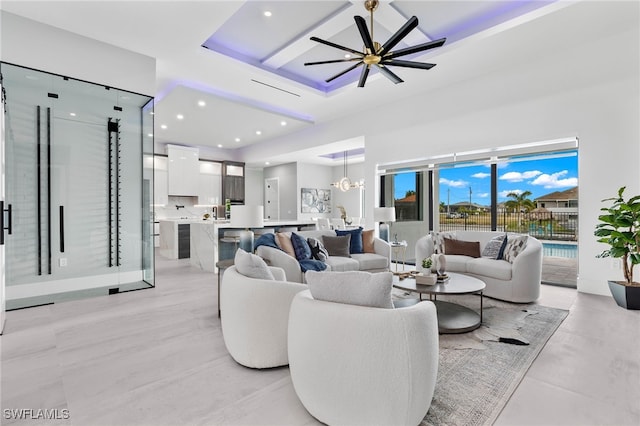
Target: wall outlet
[{"x": 62, "y": 262}]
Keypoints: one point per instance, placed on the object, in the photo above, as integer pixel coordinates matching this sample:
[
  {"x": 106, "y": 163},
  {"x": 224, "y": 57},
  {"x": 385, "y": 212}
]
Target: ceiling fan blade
[
  {"x": 418, "y": 48},
  {"x": 364, "y": 33},
  {"x": 334, "y": 61},
  {"x": 387, "y": 73},
  {"x": 408, "y": 64},
  {"x": 363, "y": 75},
  {"x": 337, "y": 46},
  {"x": 344, "y": 72},
  {"x": 399, "y": 35}
]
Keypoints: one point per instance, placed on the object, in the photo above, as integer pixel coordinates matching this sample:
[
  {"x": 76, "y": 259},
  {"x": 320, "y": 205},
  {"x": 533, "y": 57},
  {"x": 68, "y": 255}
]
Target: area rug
[{"x": 478, "y": 371}]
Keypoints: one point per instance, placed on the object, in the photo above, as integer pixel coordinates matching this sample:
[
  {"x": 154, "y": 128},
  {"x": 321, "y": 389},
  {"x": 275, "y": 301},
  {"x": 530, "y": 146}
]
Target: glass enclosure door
[{"x": 75, "y": 182}]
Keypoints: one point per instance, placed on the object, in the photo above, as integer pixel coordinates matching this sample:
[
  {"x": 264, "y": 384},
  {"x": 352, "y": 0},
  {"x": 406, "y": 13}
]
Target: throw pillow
[
  {"x": 268, "y": 240},
  {"x": 367, "y": 241},
  {"x": 353, "y": 287},
  {"x": 493, "y": 247},
  {"x": 252, "y": 266},
  {"x": 300, "y": 247},
  {"x": 284, "y": 241},
  {"x": 465, "y": 248},
  {"x": 438, "y": 240},
  {"x": 337, "y": 246},
  {"x": 503, "y": 247},
  {"x": 356, "y": 239},
  {"x": 515, "y": 246},
  {"x": 318, "y": 251}
]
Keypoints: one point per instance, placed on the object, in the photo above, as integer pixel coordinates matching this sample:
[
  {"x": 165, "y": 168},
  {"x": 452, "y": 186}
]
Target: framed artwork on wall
[{"x": 315, "y": 200}]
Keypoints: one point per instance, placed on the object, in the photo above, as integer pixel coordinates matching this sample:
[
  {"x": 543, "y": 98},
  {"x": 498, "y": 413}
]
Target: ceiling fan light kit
[{"x": 376, "y": 54}]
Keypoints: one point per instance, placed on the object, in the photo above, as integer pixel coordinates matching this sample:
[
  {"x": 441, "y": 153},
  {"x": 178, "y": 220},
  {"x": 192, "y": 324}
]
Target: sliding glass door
[{"x": 75, "y": 183}]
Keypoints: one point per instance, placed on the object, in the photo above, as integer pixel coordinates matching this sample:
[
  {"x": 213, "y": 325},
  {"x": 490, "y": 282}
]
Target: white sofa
[
  {"x": 514, "y": 282},
  {"x": 370, "y": 262},
  {"x": 255, "y": 317},
  {"x": 356, "y": 365}
]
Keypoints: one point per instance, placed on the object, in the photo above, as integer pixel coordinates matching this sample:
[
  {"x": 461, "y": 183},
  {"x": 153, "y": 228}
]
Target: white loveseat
[
  {"x": 370, "y": 262},
  {"x": 514, "y": 282}
]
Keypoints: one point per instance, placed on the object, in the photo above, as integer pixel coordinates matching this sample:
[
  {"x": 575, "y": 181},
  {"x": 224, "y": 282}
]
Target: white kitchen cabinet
[
  {"x": 160, "y": 181},
  {"x": 210, "y": 183},
  {"x": 184, "y": 170}
]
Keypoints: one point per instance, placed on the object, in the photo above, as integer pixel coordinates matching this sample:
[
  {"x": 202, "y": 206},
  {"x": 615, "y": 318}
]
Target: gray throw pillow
[
  {"x": 438, "y": 240},
  {"x": 515, "y": 246},
  {"x": 252, "y": 266},
  {"x": 337, "y": 246},
  {"x": 352, "y": 288},
  {"x": 318, "y": 251},
  {"x": 492, "y": 248}
]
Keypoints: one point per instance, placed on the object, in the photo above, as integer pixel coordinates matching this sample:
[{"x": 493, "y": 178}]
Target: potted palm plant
[{"x": 619, "y": 227}]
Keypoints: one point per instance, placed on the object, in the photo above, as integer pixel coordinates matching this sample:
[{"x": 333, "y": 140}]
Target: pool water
[{"x": 560, "y": 250}]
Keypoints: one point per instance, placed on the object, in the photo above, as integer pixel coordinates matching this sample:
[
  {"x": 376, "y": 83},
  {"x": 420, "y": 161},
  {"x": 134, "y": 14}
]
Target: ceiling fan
[{"x": 380, "y": 55}]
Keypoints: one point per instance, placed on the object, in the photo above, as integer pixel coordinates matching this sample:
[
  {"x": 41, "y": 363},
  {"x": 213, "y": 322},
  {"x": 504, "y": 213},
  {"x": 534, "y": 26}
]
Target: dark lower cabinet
[{"x": 184, "y": 245}]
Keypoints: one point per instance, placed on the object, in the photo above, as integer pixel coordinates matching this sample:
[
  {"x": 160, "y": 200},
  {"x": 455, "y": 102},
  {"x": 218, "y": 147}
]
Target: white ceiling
[{"x": 244, "y": 96}]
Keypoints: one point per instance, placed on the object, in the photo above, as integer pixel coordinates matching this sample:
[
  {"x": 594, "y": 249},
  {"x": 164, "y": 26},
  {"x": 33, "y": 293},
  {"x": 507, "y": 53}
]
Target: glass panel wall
[{"x": 80, "y": 193}]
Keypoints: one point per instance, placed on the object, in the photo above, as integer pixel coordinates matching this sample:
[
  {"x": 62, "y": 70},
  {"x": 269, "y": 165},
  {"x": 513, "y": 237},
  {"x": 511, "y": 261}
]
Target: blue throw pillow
[
  {"x": 502, "y": 247},
  {"x": 356, "y": 239},
  {"x": 268, "y": 240},
  {"x": 300, "y": 247}
]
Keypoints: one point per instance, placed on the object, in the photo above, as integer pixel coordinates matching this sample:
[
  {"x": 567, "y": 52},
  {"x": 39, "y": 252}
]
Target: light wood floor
[{"x": 157, "y": 357}]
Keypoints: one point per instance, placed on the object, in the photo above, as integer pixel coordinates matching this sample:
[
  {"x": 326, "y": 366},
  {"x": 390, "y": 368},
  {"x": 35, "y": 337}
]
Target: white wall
[
  {"x": 253, "y": 186},
  {"x": 288, "y": 181},
  {"x": 31, "y": 44}
]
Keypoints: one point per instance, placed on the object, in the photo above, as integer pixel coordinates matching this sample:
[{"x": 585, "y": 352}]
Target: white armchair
[
  {"x": 358, "y": 365},
  {"x": 255, "y": 315}
]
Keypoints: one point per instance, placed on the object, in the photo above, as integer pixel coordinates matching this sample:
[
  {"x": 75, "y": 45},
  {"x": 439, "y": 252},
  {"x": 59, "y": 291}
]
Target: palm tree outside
[{"x": 519, "y": 202}]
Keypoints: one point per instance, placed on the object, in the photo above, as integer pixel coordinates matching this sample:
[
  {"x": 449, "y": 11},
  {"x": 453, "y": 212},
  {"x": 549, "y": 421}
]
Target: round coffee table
[{"x": 452, "y": 318}]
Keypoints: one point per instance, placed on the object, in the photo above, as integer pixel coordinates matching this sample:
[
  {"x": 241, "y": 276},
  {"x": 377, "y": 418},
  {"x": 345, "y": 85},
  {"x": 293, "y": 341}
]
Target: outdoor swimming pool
[{"x": 560, "y": 250}]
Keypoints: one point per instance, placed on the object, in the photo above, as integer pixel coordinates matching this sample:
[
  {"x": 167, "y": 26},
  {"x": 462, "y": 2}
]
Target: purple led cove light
[
  {"x": 236, "y": 98},
  {"x": 340, "y": 155}
]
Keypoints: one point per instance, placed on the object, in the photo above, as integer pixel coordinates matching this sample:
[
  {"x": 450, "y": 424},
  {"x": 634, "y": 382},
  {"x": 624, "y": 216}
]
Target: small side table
[
  {"x": 222, "y": 265},
  {"x": 397, "y": 247}
]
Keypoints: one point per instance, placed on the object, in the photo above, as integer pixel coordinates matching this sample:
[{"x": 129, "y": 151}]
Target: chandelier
[{"x": 345, "y": 184}]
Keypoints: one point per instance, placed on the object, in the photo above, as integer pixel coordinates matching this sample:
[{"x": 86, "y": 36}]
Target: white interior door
[{"x": 272, "y": 199}]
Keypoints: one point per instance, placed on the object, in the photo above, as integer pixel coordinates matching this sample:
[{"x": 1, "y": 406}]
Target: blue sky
[{"x": 539, "y": 174}]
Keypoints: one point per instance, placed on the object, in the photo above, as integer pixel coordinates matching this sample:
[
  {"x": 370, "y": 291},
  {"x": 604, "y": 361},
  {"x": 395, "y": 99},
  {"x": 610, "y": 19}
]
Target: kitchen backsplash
[{"x": 189, "y": 211}]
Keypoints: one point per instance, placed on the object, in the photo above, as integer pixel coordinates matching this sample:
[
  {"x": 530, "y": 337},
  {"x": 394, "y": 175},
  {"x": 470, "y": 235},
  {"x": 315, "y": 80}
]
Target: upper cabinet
[
  {"x": 184, "y": 170},
  {"x": 233, "y": 181},
  {"x": 210, "y": 184}
]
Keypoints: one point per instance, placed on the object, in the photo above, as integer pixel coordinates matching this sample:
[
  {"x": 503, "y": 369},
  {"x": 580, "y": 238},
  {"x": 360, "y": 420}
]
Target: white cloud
[
  {"x": 483, "y": 195},
  {"x": 519, "y": 177},
  {"x": 554, "y": 180},
  {"x": 481, "y": 175},
  {"x": 454, "y": 183},
  {"x": 505, "y": 194}
]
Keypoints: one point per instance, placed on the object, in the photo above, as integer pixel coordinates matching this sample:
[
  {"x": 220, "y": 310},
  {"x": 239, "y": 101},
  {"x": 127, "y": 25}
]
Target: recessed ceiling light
[
  {"x": 237, "y": 139},
  {"x": 267, "y": 163},
  {"x": 267, "y": 13},
  {"x": 347, "y": 56},
  {"x": 283, "y": 123},
  {"x": 126, "y": 98},
  {"x": 219, "y": 145},
  {"x": 150, "y": 135},
  {"x": 258, "y": 132},
  {"x": 73, "y": 114},
  {"x": 152, "y": 113},
  {"x": 163, "y": 126},
  {"x": 202, "y": 103},
  {"x": 179, "y": 116},
  {"x": 30, "y": 77}
]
